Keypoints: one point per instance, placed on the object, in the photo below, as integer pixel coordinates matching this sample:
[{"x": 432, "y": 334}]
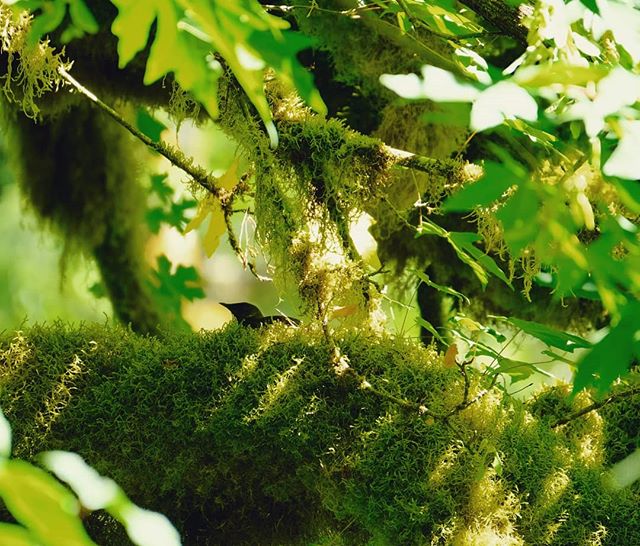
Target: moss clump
[
  {"x": 31, "y": 70},
  {"x": 245, "y": 437},
  {"x": 307, "y": 192}
]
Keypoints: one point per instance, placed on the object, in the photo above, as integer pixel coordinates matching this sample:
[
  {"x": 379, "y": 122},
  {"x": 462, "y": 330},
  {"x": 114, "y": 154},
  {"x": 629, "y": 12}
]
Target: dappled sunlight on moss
[
  {"x": 276, "y": 390},
  {"x": 250, "y": 437},
  {"x": 553, "y": 487},
  {"x": 445, "y": 465},
  {"x": 60, "y": 395},
  {"x": 488, "y": 416},
  {"x": 491, "y": 511}
]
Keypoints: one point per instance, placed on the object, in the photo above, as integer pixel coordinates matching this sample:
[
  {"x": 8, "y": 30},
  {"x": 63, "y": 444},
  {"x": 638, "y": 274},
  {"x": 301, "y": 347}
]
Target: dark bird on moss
[{"x": 250, "y": 316}]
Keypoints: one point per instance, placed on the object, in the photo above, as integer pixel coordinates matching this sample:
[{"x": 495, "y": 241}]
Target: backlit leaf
[
  {"x": 502, "y": 101},
  {"x": 495, "y": 180},
  {"x": 625, "y": 160},
  {"x": 552, "y": 337},
  {"x": 217, "y": 228},
  {"x": 94, "y": 491},
  {"x": 465, "y": 241},
  {"x": 14, "y": 535},
  {"x": 611, "y": 356},
  {"x": 41, "y": 504},
  {"x": 82, "y": 17}
]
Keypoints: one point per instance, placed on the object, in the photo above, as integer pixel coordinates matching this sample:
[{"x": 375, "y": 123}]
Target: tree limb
[
  {"x": 596, "y": 405},
  {"x": 449, "y": 168},
  {"x": 176, "y": 158},
  {"x": 503, "y": 16}
]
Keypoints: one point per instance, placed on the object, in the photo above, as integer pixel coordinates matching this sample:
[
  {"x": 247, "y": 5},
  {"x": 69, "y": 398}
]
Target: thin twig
[
  {"x": 596, "y": 405},
  {"x": 205, "y": 180}
]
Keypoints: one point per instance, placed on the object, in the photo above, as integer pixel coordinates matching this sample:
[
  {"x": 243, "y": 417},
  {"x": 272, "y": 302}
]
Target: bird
[{"x": 250, "y": 316}]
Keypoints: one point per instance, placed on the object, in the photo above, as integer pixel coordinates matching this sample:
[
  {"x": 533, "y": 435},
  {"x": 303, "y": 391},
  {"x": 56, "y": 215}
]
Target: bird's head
[{"x": 243, "y": 310}]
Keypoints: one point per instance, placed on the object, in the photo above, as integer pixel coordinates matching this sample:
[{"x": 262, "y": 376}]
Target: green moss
[
  {"x": 307, "y": 192},
  {"x": 246, "y": 437}
]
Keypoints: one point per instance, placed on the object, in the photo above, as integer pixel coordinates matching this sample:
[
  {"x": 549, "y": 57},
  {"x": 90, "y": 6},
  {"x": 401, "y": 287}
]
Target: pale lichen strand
[
  {"x": 307, "y": 191},
  {"x": 32, "y": 69}
]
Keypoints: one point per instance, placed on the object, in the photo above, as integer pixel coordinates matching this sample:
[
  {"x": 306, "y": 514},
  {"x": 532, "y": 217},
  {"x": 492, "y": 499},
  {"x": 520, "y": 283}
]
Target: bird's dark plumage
[{"x": 250, "y": 316}]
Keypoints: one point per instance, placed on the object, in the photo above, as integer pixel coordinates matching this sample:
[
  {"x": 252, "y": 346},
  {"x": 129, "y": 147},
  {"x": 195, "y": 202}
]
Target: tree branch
[
  {"x": 448, "y": 168},
  {"x": 596, "y": 405},
  {"x": 176, "y": 157},
  {"x": 503, "y": 16}
]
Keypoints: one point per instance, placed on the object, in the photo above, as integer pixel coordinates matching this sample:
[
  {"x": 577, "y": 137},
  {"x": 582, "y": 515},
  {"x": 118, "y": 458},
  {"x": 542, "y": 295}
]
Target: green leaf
[
  {"x": 132, "y": 26},
  {"x": 629, "y": 192},
  {"x": 465, "y": 323},
  {"x": 430, "y": 328},
  {"x": 518, "y": 370},
  {"x": 543, "y": 75},
  {"x": 50, "y": 19},
  {"x": 558, "y": 357},
  {"x": 476, "y": 267},
  {"x": 174, "y": 215},
  {"x": 465, "y": 241},
  {"x": 440, "y": 288},
  {"x": 184, "y": 281},
  {"x": 519, "y": 219},
  {"x": 145, "y": 528},
  {"x": 99, "y": 290},
  {"x": 149, "y": 125},
  {"x": 82, "y": 17},
  {"x": 462, "y": 244},
  {"x": 611, "y": 356},
  {"x": 173, "y": 48},
  {"x": 42, "y": 505},
  {"x": 168, "y": 288},
  {"x": 591, "y": 5},
  {"x": 281, "y": 55},
  {"x": 160, "y": 187},
  {"x": 14, "y": 535},
  {"x": 494, "y": 182},
  {"x": 554, "y": 338}
]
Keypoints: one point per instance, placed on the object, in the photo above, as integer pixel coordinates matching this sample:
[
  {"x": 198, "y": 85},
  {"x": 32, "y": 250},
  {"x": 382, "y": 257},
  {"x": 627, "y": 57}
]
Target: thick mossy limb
[
  {"x": 78, "y": 173},
  {"x": 251, "y": 437}
]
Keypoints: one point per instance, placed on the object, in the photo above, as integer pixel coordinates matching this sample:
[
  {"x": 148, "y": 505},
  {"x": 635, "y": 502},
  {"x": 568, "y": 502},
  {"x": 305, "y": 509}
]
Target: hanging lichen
[{"x": 32, "y": 69}]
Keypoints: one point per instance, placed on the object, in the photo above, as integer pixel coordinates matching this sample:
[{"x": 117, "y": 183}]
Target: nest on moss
[{"x": 251, "y": 437}]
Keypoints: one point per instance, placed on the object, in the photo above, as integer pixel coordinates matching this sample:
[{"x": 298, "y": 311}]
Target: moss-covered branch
[
  {"x": 503, "y": 15},
  {"x": 617, "y": 396},
  {"x": 175, "y": 157},
  {"x": 248, "y": 437}
]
